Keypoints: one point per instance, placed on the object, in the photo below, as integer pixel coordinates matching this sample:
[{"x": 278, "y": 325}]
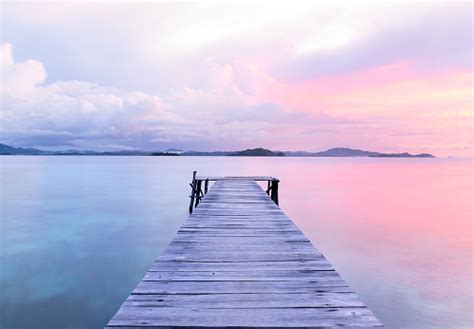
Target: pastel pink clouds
[
  {"x": 213, "y": 76},
  {"x": 242, "y": 100}
]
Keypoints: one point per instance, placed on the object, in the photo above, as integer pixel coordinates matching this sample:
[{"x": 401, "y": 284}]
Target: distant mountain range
[
  {"x": 339, "y": 152},
  {"x": 334, "y": 152}
]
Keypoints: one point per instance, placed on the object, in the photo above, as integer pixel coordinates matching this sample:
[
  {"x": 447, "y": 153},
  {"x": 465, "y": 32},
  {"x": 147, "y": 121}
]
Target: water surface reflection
[{"x": 78, "y": 233}]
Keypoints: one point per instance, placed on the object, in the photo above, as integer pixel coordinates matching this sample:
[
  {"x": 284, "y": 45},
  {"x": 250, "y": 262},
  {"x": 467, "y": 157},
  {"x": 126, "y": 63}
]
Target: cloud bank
[{"x": 228, "y": 76}]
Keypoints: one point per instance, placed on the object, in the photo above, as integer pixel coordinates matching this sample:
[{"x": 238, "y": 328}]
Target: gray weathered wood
[{"x": 240, "y": 262}]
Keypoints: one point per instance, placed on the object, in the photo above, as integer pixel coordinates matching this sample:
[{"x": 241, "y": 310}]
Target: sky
[{"x": 384, "y": 76}]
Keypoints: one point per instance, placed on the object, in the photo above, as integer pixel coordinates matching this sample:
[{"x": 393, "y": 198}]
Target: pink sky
[{"x": 371, "y": 75}]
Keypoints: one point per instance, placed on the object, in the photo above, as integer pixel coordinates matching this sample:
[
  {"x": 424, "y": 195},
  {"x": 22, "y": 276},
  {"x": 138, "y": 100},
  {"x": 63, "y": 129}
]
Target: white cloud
[
  {"x": 227, "y": 110},
  {"x": 164, "y": 31},
  {"x": 212, "y": 75},
  {"x": 70, "y": 109},
  {"x": 6, "y": 55},
  {"x": 19, "y": 78}
]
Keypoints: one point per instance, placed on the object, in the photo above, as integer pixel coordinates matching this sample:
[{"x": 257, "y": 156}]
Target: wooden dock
[{"x": 240, "y": 262}]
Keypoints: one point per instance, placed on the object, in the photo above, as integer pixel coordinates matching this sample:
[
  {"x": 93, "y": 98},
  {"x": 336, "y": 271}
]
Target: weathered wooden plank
[
  {"x": 172, "y": 317},
  {"x": 321, "y": 264},
  {"x": 232, "y": 301},
  {"x": 238, "y": 258},
  {"x": 232, "y": 287},
  {"x": 203, "y": 224},
  {"x": 240, "y": 262},
  {"x": 222, "y": 239},
  {"x": 265, "y": 275},
  {"x": 209, "y": 247},
  {"x": 236, "y": 179}
]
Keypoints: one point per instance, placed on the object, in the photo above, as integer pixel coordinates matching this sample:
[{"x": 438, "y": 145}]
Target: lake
[{"x": 79, "y": 232}]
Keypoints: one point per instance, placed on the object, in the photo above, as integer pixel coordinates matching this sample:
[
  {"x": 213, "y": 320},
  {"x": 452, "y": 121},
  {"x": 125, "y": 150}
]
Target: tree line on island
[{"x": 259, "y": 152}]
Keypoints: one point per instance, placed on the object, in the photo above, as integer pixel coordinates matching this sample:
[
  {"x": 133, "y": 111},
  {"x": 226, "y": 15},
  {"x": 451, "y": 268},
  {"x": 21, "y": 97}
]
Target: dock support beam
[
  {"x": 193, "y": 192},
  {"x": 196, "y": 191},
  {"x": 199, "y": 193},
  {"x": 274, "y": 190}
]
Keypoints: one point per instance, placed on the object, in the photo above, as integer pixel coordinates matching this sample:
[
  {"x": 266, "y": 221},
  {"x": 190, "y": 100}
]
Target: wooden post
[
  {"x": 274, "y": 190},
  {"x": 206, "y": 186},
  {"x": 271, "y": 191},
  {"x": 193, "y": 192},
  {"x": 198, "y": 192},
  {"x": 268, "y": 187}
]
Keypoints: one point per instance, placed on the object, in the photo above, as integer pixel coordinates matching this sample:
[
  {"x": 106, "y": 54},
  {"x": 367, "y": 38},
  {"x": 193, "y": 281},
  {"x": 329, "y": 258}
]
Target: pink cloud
[{"x": 212, "y": 76}]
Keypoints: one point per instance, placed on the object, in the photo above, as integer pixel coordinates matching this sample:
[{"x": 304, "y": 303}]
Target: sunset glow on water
[{"x": 80, "y": 232}]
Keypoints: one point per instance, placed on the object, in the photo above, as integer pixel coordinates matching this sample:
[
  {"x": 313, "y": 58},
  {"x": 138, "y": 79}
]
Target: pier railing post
[
  {"x": 193, "y": 192},
  {"x": 274, "y": 190},
  {"x": 198, "y": 192}
]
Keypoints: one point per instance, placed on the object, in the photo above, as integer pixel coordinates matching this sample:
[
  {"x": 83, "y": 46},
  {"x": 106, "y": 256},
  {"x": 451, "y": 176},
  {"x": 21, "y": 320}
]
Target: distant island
[
  {"x": 337, "y": 152},
  {"x": 258, "y": 152},
  {"x": 164, "y": 154},
  {"x": 402, "y": 155}
]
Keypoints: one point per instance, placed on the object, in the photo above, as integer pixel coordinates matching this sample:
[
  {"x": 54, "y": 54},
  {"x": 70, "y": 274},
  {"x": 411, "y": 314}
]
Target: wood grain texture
[{"x": 240, "y": 262}]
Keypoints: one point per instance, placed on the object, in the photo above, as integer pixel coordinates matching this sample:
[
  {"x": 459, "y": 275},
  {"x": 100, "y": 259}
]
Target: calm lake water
[{"x": 78, "y": 233}]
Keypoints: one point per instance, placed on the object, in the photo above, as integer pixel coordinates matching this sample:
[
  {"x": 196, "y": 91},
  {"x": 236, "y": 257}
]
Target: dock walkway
[{"x": 240, "y": 262}]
